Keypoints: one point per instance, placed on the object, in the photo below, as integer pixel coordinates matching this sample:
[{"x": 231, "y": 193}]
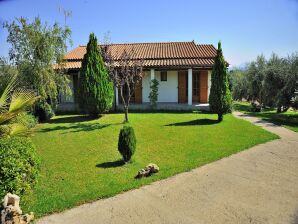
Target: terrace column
[
  {"x": 116, "y": 96},
  {"x": 152, "y": 73},
  {"x": 189, "y": 86}
]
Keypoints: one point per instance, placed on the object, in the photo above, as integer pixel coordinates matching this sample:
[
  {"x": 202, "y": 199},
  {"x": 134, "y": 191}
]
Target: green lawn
[
  {"x": 80, "y": 161},
  {"x": 288, "y": 119}
]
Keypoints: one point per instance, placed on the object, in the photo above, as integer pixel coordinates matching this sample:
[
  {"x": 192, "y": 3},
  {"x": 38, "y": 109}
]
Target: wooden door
[
  {"x": 138, "y": 92},
  {"x": 196, "y": 86},
  {"x": 204, "y": 86},
  {"x": 182, "y": 86}
]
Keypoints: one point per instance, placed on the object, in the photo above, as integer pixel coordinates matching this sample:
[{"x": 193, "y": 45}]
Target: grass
[
  {"x": 288, "y": 119},
  {"x": 80, "y": 161}
]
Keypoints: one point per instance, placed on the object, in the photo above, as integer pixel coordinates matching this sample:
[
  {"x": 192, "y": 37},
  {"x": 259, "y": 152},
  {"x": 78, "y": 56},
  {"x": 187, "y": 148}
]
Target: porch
[
  {"x": 181, "y": 88},
  {"x": 167, "y": 107}
]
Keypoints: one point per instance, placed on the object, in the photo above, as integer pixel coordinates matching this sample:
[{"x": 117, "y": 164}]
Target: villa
[{"x": 183, "y": 70}]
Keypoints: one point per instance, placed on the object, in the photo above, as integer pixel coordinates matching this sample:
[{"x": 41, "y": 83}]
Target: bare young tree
[{"x": 126, "y": 73}]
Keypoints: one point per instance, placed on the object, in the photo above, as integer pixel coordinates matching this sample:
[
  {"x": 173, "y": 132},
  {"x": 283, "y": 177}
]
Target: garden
[
  {"x": 80, "y": 161},
  {"x": 58, "y": 162}
]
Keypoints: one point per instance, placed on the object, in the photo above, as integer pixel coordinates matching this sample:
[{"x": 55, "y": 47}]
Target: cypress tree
[
  {"x": 220, "y": 99},
  {"x": 96, "y": 90}
]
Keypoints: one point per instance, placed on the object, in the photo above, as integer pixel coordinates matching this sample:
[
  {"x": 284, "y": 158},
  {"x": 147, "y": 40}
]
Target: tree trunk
[
  {"x": 125, "y": 105},
  {"x": 126, "y": 114},
  {"x": 220, "y": 117}
]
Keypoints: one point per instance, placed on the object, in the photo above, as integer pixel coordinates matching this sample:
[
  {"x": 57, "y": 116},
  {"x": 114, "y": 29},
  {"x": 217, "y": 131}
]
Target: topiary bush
[
  {"x": 19, "y": 165},
  {"x": 127, "y": 143}
]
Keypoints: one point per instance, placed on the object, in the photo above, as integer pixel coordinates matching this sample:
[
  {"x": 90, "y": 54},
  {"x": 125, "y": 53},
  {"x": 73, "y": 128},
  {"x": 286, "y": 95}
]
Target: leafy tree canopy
[
  {"x": 35, "y": 47},
  {"x": 270, "y": 83}
]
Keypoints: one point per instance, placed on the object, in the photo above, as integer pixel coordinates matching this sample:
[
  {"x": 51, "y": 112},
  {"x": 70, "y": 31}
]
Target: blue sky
[{"x": 246, "y": 28}]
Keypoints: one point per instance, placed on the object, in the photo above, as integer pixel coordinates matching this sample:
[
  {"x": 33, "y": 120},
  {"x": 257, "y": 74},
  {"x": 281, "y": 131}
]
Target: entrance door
[
  {"x": 204, "y": 86},
  {"x": 196, "y": 87},
  {"x": 182, "y": 86}
]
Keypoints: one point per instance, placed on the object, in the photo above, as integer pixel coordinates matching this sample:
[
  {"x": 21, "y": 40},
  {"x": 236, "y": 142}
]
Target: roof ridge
[{"x": 169, "y": 42}]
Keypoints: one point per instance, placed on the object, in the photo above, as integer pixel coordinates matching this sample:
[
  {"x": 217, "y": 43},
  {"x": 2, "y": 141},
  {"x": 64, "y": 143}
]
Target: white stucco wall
[
  {"x": 167, "y": 90},
  {"x": 146, "y": 86},
  {"x": 209, "y": 83}
]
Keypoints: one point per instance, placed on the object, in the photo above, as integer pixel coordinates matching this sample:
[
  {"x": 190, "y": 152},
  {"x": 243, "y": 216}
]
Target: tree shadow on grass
[
  {"x": 194, "y": 122},
  {"x": 79, "y": 127},
  {"x": 113, "y": 164},
  {"x": 71, "y": 119}
]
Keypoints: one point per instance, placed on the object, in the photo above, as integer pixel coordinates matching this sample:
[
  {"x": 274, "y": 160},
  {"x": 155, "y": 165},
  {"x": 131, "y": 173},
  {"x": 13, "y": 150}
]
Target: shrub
[
  {"x": 127, "y": 143},
  {"x": 153, "y": 95},
  {"x": 44, "y": 113},
  {"x": 255, "y": 107},
  {"x": 27, "y": 119},
  {"x": 19, "y": 165}
]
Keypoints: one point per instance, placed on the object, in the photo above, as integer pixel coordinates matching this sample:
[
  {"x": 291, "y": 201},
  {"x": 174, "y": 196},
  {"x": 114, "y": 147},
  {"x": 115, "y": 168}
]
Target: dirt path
[{"x": 259, "y": 185}]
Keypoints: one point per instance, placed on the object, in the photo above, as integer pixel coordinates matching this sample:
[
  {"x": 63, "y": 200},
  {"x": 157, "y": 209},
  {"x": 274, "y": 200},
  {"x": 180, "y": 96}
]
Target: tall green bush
[
  {"x": 96, "y": 90},
  {"x": 19, "y": 165},
  {"x": 220, "y": 99},
  {"x": 127, "y": 143},
  {"x": 153, "y": 95}
]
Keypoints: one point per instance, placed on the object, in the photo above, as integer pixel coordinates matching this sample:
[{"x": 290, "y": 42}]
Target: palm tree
[{"x": 13, "y": 102}]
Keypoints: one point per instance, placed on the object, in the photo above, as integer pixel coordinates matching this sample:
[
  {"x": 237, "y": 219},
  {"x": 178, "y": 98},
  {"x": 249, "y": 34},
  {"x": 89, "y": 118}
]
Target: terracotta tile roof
[{"x": 155, "y": 54}]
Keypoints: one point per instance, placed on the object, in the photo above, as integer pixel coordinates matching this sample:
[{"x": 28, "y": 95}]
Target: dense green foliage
[
  {"x": 127, "y": 143},
  {"x": 96, "y": 90},
  {"x": 287, "y": 119},
  {"x": 153, "y": 95},
  {"x": 35, "y": 47},
  {"x": 80, "y": 162},
  {"x": 27, "y": 119},
  {"x": 19, "y": 165},
  {"x": 7, "y": 72},
  {"x": 294, "y": 100},
  {"x": 270, "y": 83},
  {"x": 44, "y": 112},
  {"x": 13, "y": 105},
  {"x": 220, "y": 99}
]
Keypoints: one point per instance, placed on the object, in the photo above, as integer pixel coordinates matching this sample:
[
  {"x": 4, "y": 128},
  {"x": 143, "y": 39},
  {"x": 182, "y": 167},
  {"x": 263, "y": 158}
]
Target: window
[
  {"x": 163, "y": 76},
  {"x": 196, "y": 84}
]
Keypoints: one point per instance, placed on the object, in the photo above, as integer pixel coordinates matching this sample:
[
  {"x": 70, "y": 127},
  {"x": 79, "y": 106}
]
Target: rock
[
  {"x": 153, "y": 167},
  {"x": 148, "y": 170},
  {"x": 12, "y": 213},
  {"x": 14, "y": 200}
]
